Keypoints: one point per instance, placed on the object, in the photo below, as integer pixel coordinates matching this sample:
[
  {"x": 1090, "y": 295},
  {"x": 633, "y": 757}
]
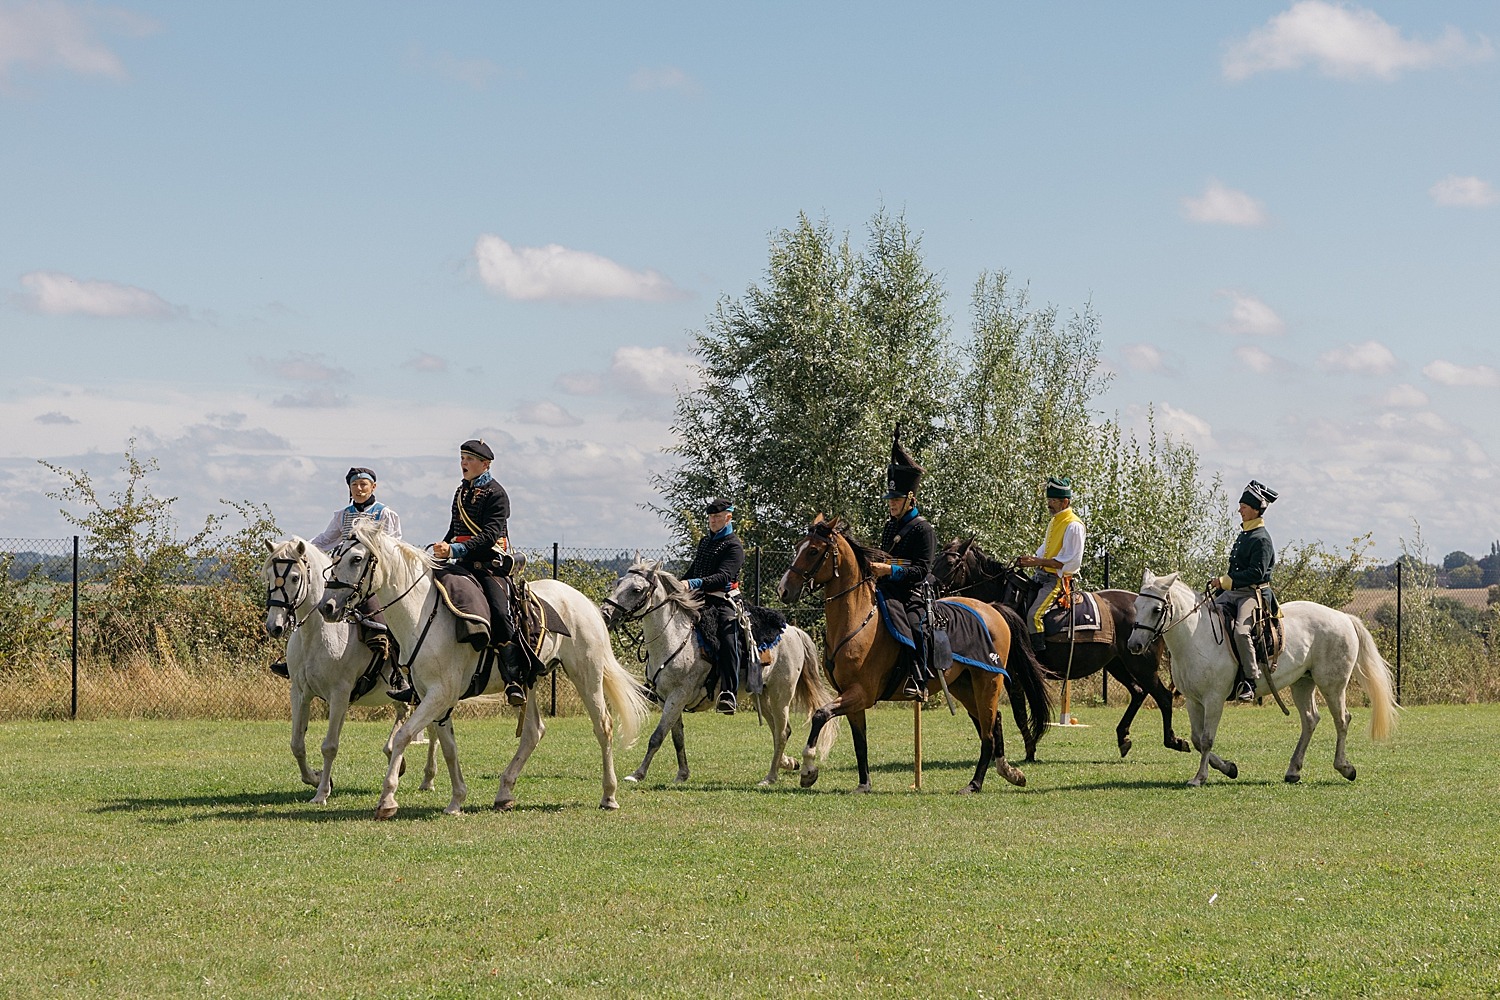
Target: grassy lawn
[{"x": 157, "y": 858}]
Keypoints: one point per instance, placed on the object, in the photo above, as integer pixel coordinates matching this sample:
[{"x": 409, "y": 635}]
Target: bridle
[
  {"x": 366, "y": 577},
  {"x": 280, "y": 570},
  {"x": 823, "y": 532},
  {"x": 638, "y": 639},
  {"x": 1162, "y": 626},
  {"x": 961, "y": 563}
]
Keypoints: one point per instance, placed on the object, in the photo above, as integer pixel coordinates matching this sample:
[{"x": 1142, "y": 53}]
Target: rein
[
  {"x": 358, "y": 596},
  {"x": 638, "y": 640},
  {"x": 998, "y": 574},
  {"x": 1160, "y": 629}
]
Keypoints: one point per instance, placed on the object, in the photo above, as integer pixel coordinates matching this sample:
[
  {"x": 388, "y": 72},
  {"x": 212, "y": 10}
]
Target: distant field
[
  {"x": 179, "y": 859},
  {"x": 1367, "y": 600}
]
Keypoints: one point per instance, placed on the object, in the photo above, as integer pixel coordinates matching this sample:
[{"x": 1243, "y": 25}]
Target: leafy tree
[
  {"x": 1309, "y": 571},
  {"x": 1455, "y": 559},
  {"x": 1466, "y": 576},
  {"x": 802, "y": 380}
]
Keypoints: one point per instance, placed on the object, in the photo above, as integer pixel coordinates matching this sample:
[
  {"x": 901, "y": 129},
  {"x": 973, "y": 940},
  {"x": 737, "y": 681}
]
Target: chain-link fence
[{"x": 54, "y": 603}]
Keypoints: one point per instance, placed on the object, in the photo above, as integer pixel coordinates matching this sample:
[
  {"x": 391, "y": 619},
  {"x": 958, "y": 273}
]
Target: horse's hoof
[
  {"x": 1349, "y": 773},
  {"x": 862, "y": 789},
  {"x": 1292, "y": 779},
  {"x": 682, "y": 776},
  {"x": 633, "y": 778},
  {"x": 451, "y": 810},
  {"x": 1015, "y": 778},
  {"x": 609, "y": 804},
  {"x": 1195, "y": 783},
  {"x": 968, "y": 789},
  {"x": 1125, "y": 746},
  {"x": 1180, "y": 745},
  {"x": 505, "y": 806},
  {"x": 425, "y": 786},
  {"x": 385, "y": 812},
  {"x": 764, "y": 783},
  {"x": 1231, "y": 769},
  {"x": 808, "y": 779}
]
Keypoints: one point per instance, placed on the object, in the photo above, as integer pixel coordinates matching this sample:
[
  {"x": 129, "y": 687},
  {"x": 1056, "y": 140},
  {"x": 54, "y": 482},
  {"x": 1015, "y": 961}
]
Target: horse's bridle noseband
[
  {"x": 366, "y": 575},
  {"x": 280, "y": 570},
  {"x": 1161, "y": 626}
]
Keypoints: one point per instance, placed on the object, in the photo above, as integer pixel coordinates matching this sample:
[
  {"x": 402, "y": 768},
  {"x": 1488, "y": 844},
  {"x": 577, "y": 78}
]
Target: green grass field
[{"x": 179, "y": 859}]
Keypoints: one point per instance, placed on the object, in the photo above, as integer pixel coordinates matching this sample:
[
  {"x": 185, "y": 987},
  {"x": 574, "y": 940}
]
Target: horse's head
[
  {"x": 951, "y": 568},
  {"x": 633, "y": 594},
  {"x": 288, "y": 584},
  {"x": 1153, "y": 611},
  {"x": 351, "y": 580},
  {"x": 811, "y": 566}
]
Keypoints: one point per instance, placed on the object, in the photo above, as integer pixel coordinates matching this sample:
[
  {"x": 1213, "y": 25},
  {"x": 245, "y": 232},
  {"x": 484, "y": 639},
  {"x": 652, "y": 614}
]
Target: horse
[
  {"x": 864, "y": 658},
  {"x": 677, "y": 670},
  {"x": 399, "y": 576},
  {"x": 323, "y": 660},
  {"x": 962, "y": 567},
  {"x": 1324, "y": 647}
]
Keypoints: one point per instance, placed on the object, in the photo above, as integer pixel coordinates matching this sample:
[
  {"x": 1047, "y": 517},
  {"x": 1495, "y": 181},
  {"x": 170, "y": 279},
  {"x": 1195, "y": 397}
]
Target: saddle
[
  {"x": 761, "y": 630},
  {"x": 1077, "y": 618},
  {"x": 1267, "y": 628},
  {"x": 464, "y": 595}
]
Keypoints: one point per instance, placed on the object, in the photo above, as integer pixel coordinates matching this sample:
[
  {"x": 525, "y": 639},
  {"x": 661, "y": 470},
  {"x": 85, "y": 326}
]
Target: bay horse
[
  {"x": 1324, "y": 648},
  {"x": 399, "y": 577},
  {"x": 864, "y": 655},
  {"x": 323, "y": 659},
  {"x": 678, "y": 670},
  {"x": 962, "y": 567}
]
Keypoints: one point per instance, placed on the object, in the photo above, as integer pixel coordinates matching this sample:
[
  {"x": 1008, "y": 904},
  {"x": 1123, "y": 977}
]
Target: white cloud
[
  {"x": 52, "y": 35},
  {"x": 1448, "y": 373},
  {"x": 654, "y": 370},
  {"x": 425, "y": 362},
  {"x": 53, "y": 293},
  {"x": 54, "y": 417},
  {"x": 1250, "y": 317},
  {"x": 545, "y": 413},
  {"x": 302, "y": 367},
  {"x": 662, "y": 78},
  {"x": 1403, "y": 396},
  {"x": 1143, "y": 358},
  {"x": 1224, "y": 206},
  {"x": 1184, "y": 426},
  {"x": 1368, "y": 358},
  {"x": 311, "y": 399},
  {"x": 1346, "y": 42},
  {"x": 579, "y": 383},
  {"x": 556, "y": 272},
  {"x": 1257, "y": 360},
  {"x": 1464, "y": 192}
]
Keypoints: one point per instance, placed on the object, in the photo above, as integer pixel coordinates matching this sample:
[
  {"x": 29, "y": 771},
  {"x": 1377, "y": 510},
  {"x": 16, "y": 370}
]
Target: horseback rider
[
  {"x": 478, "y": 543},
  {"x": 1250, "y": 562},
  {"x": 910, "y": 540},
  {"x": 362, "y": 506},
  {"x": 1058, "y": 559},
  {"x": 715, "y": 572}
]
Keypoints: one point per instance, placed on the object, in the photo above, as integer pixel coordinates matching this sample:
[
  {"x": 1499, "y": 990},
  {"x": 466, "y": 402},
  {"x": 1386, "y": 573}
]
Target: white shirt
[
  {"x": 1071, "y": 555},
  {"x": 342, "y": 525}
]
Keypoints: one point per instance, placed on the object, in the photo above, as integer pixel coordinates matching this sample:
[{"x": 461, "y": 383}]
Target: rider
[
  {"x": 1250, "y": 562},
  {"x": 362, "y": 506},
  {"x": 714, "y": 572},
  {"x": 1058, "y": 559},
  {"x": 910, "y": 540},
  {"x": 478, "y": 541}
]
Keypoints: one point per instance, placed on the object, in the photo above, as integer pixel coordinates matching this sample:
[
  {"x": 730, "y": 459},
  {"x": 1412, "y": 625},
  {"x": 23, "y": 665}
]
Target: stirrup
[
  {"x": 405, "y": 695},
  {"x": 727, "y": 704},
  {"x": 913, "y": 689},
  {"x": 515, "y": 695},
  {"x": 279, "y": 668}
]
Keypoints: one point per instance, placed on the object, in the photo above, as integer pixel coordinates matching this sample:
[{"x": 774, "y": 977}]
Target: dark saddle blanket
[
  {"x": 959, "y": 635},
  {"x": 464, "y": 595},
  {"x": 767, "y": 626},
  {"x": 1082, "y": 621}
]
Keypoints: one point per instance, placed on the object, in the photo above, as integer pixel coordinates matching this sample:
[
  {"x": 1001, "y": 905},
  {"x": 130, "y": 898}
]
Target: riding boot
[
  {"x": 279, "y": 668},
  {"x": 1249, "y": 664},
  {"x": 1038, "y": 644},
  {"x": 512, "y": 667},
  {"x": 729, "y": 669}
]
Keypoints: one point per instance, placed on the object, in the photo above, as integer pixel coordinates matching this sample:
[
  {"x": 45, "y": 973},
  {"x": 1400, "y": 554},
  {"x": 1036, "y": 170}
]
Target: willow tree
[{"x": 802, "y": 380}]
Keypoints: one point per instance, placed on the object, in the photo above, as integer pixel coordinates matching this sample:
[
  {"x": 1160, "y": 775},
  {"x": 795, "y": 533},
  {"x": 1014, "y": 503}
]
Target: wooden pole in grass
[{"x": 916, "y": 730}]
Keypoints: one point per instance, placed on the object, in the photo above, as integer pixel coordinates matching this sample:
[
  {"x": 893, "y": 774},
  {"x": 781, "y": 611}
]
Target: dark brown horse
[
  {"x": 864, "y": 656},
  {"x": 963, "y": 568}
]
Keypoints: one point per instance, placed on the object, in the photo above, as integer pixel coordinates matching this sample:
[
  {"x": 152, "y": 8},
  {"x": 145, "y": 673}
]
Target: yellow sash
[{"x": 1055, "y": 529}]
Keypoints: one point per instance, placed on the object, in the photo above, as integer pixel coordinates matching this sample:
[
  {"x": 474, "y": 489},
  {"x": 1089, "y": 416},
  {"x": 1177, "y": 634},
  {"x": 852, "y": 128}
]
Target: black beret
[
  {"x": 357, "y": 472},
  {"x": 478, "y": 449},
  {"x": 718, "y": 505}
]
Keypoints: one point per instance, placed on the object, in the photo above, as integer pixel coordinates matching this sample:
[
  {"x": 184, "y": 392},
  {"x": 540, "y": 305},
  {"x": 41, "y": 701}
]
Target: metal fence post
[
  {"x": 73, "y": 708},
  {"x": 1398, "y": 631},
  {"x": 554, "y": 671},
  {"x": 1104, "y": 675}
]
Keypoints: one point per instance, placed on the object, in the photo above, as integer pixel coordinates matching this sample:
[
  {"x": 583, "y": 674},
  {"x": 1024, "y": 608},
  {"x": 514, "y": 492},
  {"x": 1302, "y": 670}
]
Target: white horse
[
  {"x": 1323, "y": 648},
  {"x": 678, "y": 671},
  {"x": 323, "y": 660},
  {"x": 400, "y": 578}
]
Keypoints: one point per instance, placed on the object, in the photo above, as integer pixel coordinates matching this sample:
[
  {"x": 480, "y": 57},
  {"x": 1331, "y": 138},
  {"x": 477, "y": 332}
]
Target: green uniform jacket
[{"x": 1251, "y": 558}]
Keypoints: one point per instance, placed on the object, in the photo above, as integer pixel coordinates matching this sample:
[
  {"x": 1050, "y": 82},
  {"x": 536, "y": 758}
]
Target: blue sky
[{"x": 270, "y": 241}]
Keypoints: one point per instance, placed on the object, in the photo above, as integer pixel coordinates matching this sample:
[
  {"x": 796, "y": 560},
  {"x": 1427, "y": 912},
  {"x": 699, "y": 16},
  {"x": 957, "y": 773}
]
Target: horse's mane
[
  {"x": 383, "y": 544},
  {"x": 677, "y": 592},
  {"x": 864, "y": 553},
  {"x": 319, "y": 561},
  {"x": 987, "y": 563}
]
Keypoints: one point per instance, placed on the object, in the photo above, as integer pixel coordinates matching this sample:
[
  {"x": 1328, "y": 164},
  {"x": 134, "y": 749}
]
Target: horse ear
[
  {"x": 1167, "y": 581},
  {"x": 301, "y": 547},
  {"x": 270, "y": 545}
]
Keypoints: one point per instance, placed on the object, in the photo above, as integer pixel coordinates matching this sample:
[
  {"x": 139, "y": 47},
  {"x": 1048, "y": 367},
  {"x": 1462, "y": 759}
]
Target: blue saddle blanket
[{"x": 960, "y": 636}]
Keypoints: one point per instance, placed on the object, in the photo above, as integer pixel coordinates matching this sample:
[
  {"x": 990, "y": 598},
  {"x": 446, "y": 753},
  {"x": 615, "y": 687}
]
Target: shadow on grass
[{"x": 349, "y": 804}]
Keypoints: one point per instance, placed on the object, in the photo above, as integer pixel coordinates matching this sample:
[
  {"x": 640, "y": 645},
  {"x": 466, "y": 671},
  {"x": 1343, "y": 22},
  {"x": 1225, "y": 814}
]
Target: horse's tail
[
  {"x": 812, "y": 691},
  {"x": 628, "y": 705},
  {"x": 1375, "y": 677},
  {"x": 1027, "y": 685}
]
